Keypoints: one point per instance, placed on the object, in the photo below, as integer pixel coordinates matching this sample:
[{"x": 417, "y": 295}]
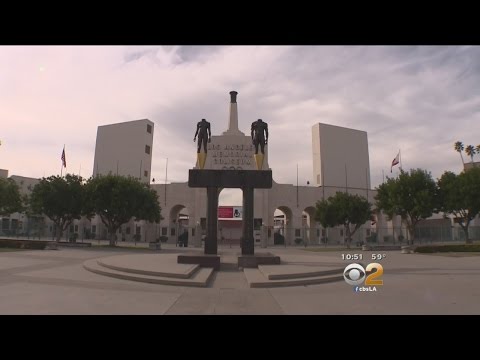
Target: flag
[
  {"x": 395, "y": 161},
  {"x": 64, "y": 161}
]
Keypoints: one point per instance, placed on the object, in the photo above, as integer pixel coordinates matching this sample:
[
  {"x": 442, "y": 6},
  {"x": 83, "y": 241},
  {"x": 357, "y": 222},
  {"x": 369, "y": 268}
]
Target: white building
[
  {"x": 340, "y": 156},
  {"x": 125, "y": 149}
]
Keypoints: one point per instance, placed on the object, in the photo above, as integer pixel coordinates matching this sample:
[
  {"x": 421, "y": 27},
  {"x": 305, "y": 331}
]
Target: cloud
[{"x": 418, "y": 99}]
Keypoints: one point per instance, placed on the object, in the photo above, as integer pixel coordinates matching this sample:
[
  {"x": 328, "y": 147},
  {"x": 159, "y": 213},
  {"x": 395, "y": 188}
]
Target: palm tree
[
  {"x": 478, "y": 149},
  {"x": 470, "y": 150},
  {"x": 459, "y": 148}
]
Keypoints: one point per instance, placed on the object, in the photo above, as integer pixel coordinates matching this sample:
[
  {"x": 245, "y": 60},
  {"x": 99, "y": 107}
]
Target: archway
[
  {"x": 179, "y": 227},
  {"x": 282, "y": 226},
  {"x": 230, "y": 217}
]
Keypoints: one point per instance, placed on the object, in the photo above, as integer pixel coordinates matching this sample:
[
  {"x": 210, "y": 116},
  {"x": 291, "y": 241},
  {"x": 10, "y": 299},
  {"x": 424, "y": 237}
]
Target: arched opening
[
  {"x": 230, "y": 215},
  {"x": 180, "y": 229},
  {"x": 311, "y": 230},
  {"x": 282, "y": 226}
]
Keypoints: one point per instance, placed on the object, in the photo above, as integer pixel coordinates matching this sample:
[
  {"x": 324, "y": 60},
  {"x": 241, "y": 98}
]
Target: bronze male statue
[
  {"x": 259, "y": 135},
  {"x": 204, "y": 135}
]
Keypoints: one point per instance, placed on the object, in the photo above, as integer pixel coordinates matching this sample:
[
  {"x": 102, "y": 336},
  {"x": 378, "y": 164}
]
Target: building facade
[{"x": 125, "y": 149}]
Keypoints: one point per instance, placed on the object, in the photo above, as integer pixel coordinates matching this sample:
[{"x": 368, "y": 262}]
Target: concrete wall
[
  {"x": 333, "y": 149},
  {"x": 120, "y": 148}
]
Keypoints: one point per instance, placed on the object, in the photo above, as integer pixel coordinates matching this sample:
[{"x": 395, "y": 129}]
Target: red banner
[{"x": 225, "y": 212}]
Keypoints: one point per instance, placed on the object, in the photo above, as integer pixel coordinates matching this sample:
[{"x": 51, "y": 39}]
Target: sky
[{"x": 419, "y": 99}]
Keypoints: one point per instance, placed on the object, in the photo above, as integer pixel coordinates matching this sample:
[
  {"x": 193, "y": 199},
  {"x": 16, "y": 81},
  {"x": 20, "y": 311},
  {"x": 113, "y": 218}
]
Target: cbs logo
[{"x": 355, "y": 274}]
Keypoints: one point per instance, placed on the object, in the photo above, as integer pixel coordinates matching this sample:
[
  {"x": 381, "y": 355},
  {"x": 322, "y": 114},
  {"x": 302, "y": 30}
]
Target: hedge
[{"x": 448, "y": 248}]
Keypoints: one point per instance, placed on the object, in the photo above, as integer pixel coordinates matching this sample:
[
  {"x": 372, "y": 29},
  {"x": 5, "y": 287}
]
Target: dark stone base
[
  {"x": 212, "y": 261},
  {"x": 74, "y": 244},
  {"x": 252, "y": 261}
]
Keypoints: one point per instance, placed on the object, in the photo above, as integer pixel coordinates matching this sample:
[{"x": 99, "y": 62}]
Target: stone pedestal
[
  {"x": 211, "y": 261},
  {"x": 252, "y": 261}
]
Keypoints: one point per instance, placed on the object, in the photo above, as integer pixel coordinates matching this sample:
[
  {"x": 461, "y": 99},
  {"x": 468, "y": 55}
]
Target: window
[
  {"x": 71, "y": 228},
  {"x": 297, "y": 232},
  {"x": 94, "y": 229},
  {"x": 164, "y": 231},
  {"x": 368, "y": 232},
  {"x": 149, "y": 128},
  {"x": 193, "y": 232},
  {"x": 76, "y": 228},
  {"x": 127, "y": 230},
  {"x": 172, "y": 232},
  {"x": 324, "y": 232},
  {"x": 341, "y": 232},
  {"x": 137, "y": 230},
  {"x": 145, "y": 173},
  {"x": 147, "y": 149}
]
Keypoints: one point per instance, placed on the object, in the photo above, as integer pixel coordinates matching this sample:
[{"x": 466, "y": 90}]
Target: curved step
[
  {"x": 256, "y": 279},
  {"x": 200, "y": 278},
  {"x": 272, "y": 272},
  {"x": 188, "y": 272}
]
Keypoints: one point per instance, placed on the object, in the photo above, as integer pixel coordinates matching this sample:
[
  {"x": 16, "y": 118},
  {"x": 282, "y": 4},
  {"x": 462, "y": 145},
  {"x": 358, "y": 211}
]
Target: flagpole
[
  {"x": 61, "y": 168},
  {"x": 297, "y": 185},
  {"x": 346, "y": 179},
  {"x": 166, "y": 171},
  {"x": 366, "y": 180},
  {"x": 401, "y": 166},
  {"x": 323, "y": 183}
]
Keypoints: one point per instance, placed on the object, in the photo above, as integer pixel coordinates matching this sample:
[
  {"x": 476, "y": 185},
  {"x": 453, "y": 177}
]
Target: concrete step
[
  {"x": 256, "y": 279},
  {"x": 273, "y": 272},
  {"x": 186, "y": 273},
  {"x": 200, "y": 278}
]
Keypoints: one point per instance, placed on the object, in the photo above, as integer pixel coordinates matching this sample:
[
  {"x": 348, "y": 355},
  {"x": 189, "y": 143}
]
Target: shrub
[
  {"x": 23, "y": 244},
  {"x": 298, "y": 241},
  {"x": 163, "y": 238},
  {"x": 447, "y": 248}
]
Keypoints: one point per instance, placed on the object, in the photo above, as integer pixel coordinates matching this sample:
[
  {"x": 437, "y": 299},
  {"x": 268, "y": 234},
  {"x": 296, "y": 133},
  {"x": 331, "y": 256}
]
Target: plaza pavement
[{"x": 55, "y": 282}]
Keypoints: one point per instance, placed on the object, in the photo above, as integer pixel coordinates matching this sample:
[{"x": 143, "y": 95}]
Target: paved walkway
[{"x": 54, "y": 282}]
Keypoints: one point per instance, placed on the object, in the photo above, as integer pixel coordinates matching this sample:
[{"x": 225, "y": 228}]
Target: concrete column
[
  {"x": 247, "y": 238},
  {"x": 264, "y": 236},
  {"x": 212, "y": 219},
  {"x": 197, "y": 239}
]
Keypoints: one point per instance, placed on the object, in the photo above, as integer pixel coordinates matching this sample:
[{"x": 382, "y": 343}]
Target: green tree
[
  {"x": 470, "y": 151},
  {"x": 59, "y": 198},
  {"x": 10, "y": 199},
  {"x": 345, "y": 209},
  {"x": 412, "y": 196},
  {"x": 460, "y": 196},
  {"x": 116, "y": 199},
  {"x": 459, "y": 148}
]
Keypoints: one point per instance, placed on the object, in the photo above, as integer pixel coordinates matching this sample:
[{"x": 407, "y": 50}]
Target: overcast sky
[{"x": 417, "y": 99}]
